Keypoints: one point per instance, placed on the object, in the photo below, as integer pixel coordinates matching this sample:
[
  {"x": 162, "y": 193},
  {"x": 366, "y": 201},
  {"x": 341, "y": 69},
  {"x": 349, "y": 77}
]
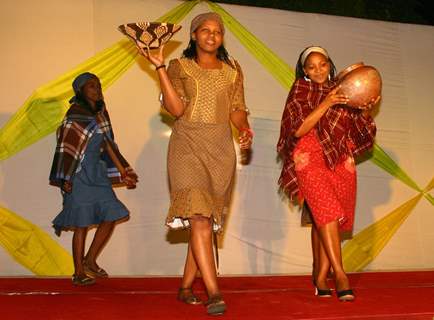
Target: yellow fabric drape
[
  {"x": 44, "y": 109},
  {"x": 382, "y": 159},
  {"x": 429, "y": 188},
  {"x": 368, "y": 243},
  {"x": 278, "y": 68},
  {"x": 41, "y": 115},
  {"x": 32, "y": 247}
]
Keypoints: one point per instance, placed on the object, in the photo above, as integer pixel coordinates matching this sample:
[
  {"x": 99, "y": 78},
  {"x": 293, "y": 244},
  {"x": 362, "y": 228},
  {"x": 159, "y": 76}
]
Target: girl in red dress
[{"x": 319, "y": 139}]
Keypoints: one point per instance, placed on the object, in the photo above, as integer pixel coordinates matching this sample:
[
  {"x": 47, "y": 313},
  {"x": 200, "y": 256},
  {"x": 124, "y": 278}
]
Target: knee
[
  {"x": 201, "y": 225},
  {"x": 109, "y": 223},
  {"x": 80, "y": 231}
]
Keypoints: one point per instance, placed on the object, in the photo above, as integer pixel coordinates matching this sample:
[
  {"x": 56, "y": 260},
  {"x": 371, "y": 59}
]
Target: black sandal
[
  {"x": 187, "y": 296},
  {"x": 345, "y": 295},
  {"x": 323, "y": 293},
  {"x": 215, "y": 305}
]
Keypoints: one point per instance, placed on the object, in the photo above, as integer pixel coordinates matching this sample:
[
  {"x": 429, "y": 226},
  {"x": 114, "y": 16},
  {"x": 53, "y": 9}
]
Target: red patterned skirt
[{"x": 330, "y": 194}]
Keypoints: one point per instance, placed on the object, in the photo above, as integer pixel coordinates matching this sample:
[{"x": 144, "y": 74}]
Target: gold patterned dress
[{"x": 201, "y": 156}]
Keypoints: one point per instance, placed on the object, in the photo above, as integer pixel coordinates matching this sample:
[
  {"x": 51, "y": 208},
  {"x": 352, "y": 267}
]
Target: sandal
[
  {"x": 99, "y": 273},
  {"x": 345, "y": 295},
  {"x": 323, "y": 293},
  {"x": 187, "y": 296},
  {"x": 215, "y": 305},
  {"x": 82, "y": 280}
]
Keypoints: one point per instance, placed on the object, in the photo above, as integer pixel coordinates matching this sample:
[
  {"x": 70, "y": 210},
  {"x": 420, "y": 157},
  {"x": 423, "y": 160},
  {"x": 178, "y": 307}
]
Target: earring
[
  {"x": 306, "y": 78},
  {"x": 329, "y": 77}
]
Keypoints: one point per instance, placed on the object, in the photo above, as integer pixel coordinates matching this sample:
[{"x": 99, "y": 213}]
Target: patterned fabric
[
  {"x": 201, "y": 156},
  {"x": 92, "y": 199},
  {"x": 341, "y": 131},
  {"x": 329, "y": 193},
  {"x": 73, "y": 135},
  {"x": 149, "y": 34},
  {"x": 199, "y": 87}
]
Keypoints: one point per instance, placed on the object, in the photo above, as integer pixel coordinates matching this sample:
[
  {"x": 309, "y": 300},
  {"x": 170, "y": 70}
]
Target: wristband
[
  {"x": 160, "y": 66},
  {"x": 249, "y": 131}
]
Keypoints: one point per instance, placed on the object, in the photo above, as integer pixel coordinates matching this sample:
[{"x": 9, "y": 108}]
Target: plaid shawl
[
  {"x": 73, "y": 135},
  {"x": 342, "y": 131}
]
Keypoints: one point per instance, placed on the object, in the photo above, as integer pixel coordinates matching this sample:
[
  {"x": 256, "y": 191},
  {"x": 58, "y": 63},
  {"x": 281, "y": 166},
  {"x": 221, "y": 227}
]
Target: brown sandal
[
  {"x": 82, "y": 280},
  {"x": 215, "y": 305},
  {"x": 99, "y": 273},
  {"x": 187, "y": 296}
]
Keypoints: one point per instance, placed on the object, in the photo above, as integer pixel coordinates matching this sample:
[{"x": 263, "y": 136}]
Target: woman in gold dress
[{"x": 204, "y": 91}]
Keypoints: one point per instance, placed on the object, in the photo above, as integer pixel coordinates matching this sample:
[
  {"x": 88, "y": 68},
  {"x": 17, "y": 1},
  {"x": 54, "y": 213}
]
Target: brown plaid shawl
[
  {"x": 73, "y": 136},
  {"x": 341, "y": 131}
]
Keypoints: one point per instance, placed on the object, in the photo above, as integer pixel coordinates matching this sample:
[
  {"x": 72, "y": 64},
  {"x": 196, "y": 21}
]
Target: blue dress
[{"x": 92, "y": 199}]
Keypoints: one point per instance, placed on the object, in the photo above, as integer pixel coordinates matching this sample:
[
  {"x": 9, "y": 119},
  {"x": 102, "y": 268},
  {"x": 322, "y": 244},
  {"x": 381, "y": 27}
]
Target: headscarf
[
  {"x": 201, "y": 18},
  {"x": 78, "y": 84},
  {"x": 309, "y": 50}
]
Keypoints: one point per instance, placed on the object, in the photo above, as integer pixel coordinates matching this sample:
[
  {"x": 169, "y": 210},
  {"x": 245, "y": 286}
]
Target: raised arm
[{"x": 171, "y": 100}]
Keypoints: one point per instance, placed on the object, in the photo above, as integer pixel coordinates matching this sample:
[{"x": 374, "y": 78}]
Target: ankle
[
  {"x": 90, "y": 262},
  {"x": 321, "y": 283},
  {"x": 79, "y": 274},
  {"x": 214, "y": 298},
  {"x": 183, "y": 290},
  {"x": 342, "y": 283}
]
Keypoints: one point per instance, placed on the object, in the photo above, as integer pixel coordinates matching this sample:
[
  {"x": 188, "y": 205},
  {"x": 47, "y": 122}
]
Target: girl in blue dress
[{"x": 86, "y": 166}]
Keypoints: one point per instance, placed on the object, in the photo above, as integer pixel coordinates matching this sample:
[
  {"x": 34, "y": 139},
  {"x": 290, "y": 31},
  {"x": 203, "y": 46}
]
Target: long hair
[
  {"x": 222, "y": 54},
  {"x": 299, "y": 72}
]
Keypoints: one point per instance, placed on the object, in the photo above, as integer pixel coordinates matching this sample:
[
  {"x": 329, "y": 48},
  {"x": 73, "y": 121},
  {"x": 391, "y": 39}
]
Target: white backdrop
[{"x": 42, "y": 40}]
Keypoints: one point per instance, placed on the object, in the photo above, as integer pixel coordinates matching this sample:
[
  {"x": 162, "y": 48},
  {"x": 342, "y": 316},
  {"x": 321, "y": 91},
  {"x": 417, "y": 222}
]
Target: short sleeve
[
  {"x": 174, "y": 71},
  {"x": 238, "y": 102}
]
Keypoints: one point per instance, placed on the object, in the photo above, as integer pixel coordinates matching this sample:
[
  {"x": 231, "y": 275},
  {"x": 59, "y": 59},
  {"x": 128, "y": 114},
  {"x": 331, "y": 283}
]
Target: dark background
[{"x": 405, "y": 11}]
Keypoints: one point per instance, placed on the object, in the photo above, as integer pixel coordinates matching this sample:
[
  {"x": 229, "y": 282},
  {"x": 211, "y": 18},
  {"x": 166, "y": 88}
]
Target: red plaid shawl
[
  {"x": 341, "y": 131},
  {"x": 72, "y": 138}
]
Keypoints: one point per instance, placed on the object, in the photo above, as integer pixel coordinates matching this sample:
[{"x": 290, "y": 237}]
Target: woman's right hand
[
  {"x": 155, "y": 59},
  {"x": 334, "y": 98}
]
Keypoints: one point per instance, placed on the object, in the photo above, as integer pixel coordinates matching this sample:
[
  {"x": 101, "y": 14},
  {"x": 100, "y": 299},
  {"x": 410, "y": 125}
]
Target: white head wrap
[{"x": 309, "y": 50}]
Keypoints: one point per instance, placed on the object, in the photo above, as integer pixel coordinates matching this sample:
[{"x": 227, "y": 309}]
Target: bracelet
[
  {"x": 160, "y": 66},
  {"x": 248, "y": 130}
]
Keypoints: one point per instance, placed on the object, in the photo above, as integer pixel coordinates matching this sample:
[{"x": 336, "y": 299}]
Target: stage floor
[{"x": 379, "y": 295}]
